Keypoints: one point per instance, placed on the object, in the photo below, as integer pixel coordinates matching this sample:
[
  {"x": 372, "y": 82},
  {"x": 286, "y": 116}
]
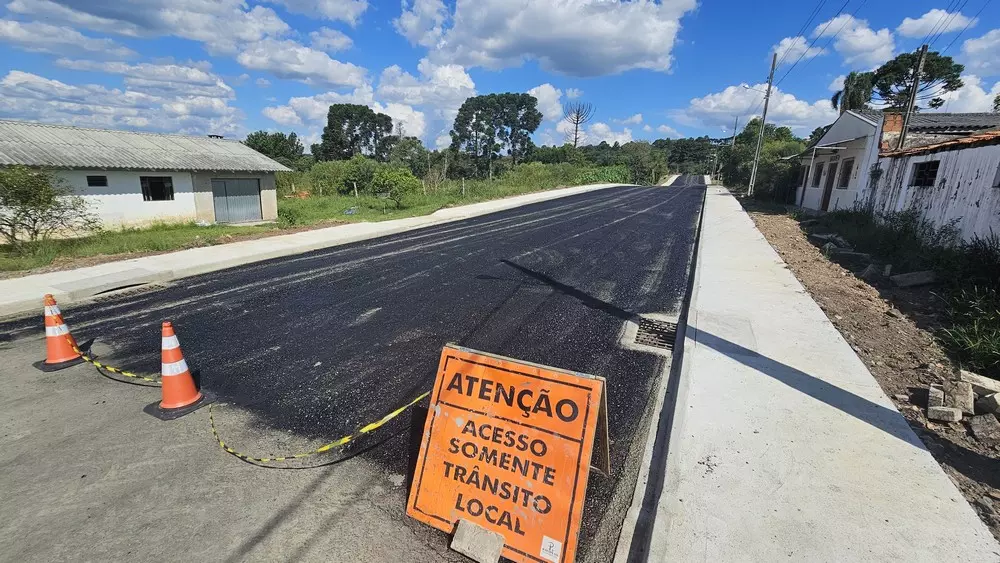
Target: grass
[{"x": 292, "y": 214}]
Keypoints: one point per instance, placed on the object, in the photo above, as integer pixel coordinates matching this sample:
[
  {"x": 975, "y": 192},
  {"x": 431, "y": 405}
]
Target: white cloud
[
  {"x": 311, "y": 111},
  {"x": 294, "y": 61},
  {"x": 632, "y": 120},
  {"x": 548, "y": 101},
  {"x": 647, "y": 128},
  {"x": 938, "y": 21},
  {"x": 44, "y": 38},
  {"x": 718, "y": 109},
  {"x": 573, "y": 93},
  {"x": 343, "y": 10},
  {"x": 50, "y": 11},
  {"x": 982, "y": 54},
  {"x": 442, "y": 88},
  {"x": 602, "y": 132},
  {"x": 28, "y": 96},
  {"x": 858, "y": 43},
  {"x": 262, "y": 82},
  {"x": 284, "y": 115},
  {"x": 411, "y": 120},
  {"x": 329, "y": 40},
  {"x": 669, "y": 131},
  {"x": 442, "y": 141},
  {"x": 422, "y": 21},
  {"x": 837, "y": 84},
  {"x": 160, "y": 79},
  {"x": 574, "y": 37},
  {"x": 790, "y": 49},
  {"x": 971, "y": 98}
]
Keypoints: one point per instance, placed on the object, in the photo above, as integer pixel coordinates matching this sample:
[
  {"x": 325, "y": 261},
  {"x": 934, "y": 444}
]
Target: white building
[{"x": 132, "y": 178}]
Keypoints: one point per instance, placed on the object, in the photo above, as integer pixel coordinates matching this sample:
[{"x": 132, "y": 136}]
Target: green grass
[{"x": 293, "y": 213}]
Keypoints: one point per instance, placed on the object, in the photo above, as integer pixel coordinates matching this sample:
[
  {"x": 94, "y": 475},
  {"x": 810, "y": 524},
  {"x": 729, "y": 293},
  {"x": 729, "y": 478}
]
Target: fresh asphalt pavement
[{"x": 318, "y": 344}]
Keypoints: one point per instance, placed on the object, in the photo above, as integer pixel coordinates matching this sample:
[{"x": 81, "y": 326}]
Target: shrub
[
  {"x": 605, "y": 175},
  {"x": 359, "y": 171},
  {"x": 328, "y": 178},
  {"x": 396, "y": 182},
  {"x": 289, "y": 215},
  {"x": 974, "y": 334},
  {"x": 35, "y": 205}
]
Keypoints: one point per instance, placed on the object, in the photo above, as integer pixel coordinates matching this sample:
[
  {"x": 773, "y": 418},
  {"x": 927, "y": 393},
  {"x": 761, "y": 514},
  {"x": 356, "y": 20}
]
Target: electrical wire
[
  {"x": 947, "y": 22},
  {"x": 813, "y": 43},
  {"x": 966, "y": 28}
]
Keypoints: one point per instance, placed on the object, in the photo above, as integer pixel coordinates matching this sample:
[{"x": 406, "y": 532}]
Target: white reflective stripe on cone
[
  {"x": 170, "y": 342},
  {"x": 51, "y": 310},
  {"x": 175, "y": 368},
  {"x": 57, "y": 330}
]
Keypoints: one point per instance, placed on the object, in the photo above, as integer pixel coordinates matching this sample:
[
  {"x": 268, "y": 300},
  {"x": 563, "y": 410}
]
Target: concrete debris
[
  {"x": 944, "y": 414},
  {"x": 870, "y": 273},
  {"x": 958, "y": 394},
  {"x": 808, "y": 222},
  {"x": 834, "y": 238},
  {"x": 850, "y": 254},
  {"x": 887, "y": 271},
  {"x": 902, "y": 397},
  {"x": 828, "y": 248},
  {"x": 989, "y": 404},
  {"x": 935, "y": 397},
  {"x": 914, "y": 279},
  {"x": 477, "y": 543},
  {"x": 980, "y": 385},
  {"x": 895, "y": 313},
  {"x": 986, "y": 428}
]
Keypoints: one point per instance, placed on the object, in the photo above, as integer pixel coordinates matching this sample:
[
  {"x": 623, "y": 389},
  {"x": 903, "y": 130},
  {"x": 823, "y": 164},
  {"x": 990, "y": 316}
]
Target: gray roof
[
  {"x": 954, "y": 122},
  {"x": 61, "y": 146}
]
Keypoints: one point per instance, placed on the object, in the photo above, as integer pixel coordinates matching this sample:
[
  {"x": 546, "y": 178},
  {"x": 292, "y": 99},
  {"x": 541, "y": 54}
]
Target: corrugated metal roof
[
  {"x": 978, "y": 140},
  {"x": 953, "y": 122},
  {"x": 61, "y": 146}
]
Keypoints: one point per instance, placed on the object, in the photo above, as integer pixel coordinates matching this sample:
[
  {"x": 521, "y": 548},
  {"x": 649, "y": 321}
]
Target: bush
[
  {"x": 35, "y": 205},
  {"x": 289, "y": 216},
  {"x": 605, "y": 175},
  {"x": 328, "y": 178},
  {"x": 974, "y": 334},
  {"x": 396, "y": 183}
]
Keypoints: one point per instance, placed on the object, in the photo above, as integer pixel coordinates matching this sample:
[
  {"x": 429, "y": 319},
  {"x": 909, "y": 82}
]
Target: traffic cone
[
  {"x": 61, "y": 350},
  {"x": 180, "y": 395}
]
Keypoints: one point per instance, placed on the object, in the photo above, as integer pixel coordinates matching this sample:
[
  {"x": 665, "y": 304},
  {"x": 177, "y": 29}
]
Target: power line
[
  {"x": 947, "y": 11},
  {"x": 947, "y": 22},
  {"x": 964, "y": 29},
  {"x": 809, "y": 20},
  {"x": 815, "y": 39}
]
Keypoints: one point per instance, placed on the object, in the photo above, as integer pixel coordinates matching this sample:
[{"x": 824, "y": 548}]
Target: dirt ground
[{"x": 890, "y": 329}]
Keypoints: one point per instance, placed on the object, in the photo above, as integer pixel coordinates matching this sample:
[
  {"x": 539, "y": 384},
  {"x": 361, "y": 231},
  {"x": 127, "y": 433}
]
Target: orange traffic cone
[
  {"x": 61, "y": 350},
  {"x": 180, "y": 395}
]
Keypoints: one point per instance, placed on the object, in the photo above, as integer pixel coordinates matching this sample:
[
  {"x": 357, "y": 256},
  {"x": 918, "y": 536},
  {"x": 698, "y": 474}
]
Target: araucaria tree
[
  {"x": 353, "y": 129},
  {"x": 894, "y": 79},
  {"x": 486, "y": 125},
  {"x": 286, "y": 149},
  {"x": 576, "y": 114},
  {"x": 35, "y": 205}
]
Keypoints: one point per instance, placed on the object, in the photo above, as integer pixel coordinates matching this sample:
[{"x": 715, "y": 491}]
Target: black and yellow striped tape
[
  {"x": 343, "y": 441},
  {"x": 112, "y": 369}
]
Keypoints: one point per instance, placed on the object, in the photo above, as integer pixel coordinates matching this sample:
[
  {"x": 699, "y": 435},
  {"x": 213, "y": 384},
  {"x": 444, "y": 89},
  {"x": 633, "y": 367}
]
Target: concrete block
[
  {"x": 935, "y": 397},
  {"x": 944, "y": 414},
  {"x": 870, "y": 273},
  {"x": 980, "y": 385},
  {"x": 986, "y": 428},
  {"x": 478, "y": 543},
  {"x": 958, "y": 394},
  {"x": 913, "y": 279},
  {"x": 989, "y": 403}
]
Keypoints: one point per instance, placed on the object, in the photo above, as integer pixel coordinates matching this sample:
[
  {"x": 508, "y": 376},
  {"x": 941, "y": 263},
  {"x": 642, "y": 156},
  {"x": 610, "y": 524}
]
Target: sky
[{"x": 652, "y": 69}]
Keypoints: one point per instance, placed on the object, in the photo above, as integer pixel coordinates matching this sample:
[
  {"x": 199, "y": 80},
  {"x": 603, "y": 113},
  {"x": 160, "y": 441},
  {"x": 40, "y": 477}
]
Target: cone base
[
  {"x": 154, "y": 409},
  {"x": 42, "y": 365}
]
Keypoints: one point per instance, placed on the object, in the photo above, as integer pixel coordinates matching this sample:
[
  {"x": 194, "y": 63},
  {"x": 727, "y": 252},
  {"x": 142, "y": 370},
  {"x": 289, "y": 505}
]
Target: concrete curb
[{"x": 21, "y": 295}]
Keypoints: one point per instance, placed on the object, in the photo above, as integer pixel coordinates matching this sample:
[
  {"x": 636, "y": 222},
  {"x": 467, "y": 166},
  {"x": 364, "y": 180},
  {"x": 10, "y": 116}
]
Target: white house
[
  {"x": 956, "y": 180},
  {"x": 133, "y": 178},
  {"x": 835, "y": 169}
]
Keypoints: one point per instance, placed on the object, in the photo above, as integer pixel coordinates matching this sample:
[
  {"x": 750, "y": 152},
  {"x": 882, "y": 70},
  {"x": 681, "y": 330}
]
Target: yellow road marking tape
[{"x": 112, "y": 369}]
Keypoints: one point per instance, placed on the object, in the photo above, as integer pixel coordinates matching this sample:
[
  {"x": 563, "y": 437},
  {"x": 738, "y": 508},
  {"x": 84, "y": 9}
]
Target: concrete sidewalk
[
  {"x": 782, "y": 445},
  {"x": 20, "y": 295}
]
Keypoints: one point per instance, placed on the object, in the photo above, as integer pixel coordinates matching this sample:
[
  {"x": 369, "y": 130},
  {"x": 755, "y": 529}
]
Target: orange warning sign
[{"x": 507, "y": 446}]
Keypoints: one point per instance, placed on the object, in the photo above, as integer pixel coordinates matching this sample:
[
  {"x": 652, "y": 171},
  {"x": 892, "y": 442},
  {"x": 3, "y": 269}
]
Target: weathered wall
[
  {"x": 206, "y": 203},
  {"x": 964, "y": 189},
  {"x": 841, "y": 198},
  {"x": 120, "y": 203}
]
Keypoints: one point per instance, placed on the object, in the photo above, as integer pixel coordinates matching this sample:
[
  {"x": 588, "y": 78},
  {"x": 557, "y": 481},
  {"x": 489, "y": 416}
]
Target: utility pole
[
  {"x": 917, "y": 71},
  {"x": 763, "y": 122},
  {"x": 736, "y": 126}
]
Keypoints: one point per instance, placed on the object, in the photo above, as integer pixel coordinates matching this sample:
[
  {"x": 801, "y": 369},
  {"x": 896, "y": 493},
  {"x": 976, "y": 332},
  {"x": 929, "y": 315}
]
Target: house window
[
  {"x": 925, "y": 173},
  {"x": 97, "y": 181},
  {"x": 846, "y": 168},
  {"x": 817, "y": 172},
  {"x": 157, "y": 188}
]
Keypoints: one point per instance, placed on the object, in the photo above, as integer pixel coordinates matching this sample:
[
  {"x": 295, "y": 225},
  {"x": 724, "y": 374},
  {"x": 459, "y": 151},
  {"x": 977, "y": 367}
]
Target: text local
[{"x": 527, "y": 400}]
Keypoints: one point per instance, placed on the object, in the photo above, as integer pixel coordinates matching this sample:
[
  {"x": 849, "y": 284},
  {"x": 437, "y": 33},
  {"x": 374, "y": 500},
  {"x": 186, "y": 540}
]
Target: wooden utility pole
[
  {"x": 763, "y": 123},
  {"x": 917, "y": 71},
  {"x": 736, "y": 126}
]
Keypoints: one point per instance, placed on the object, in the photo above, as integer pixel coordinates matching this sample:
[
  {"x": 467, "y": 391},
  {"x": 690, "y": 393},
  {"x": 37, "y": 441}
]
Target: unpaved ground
[{"x": 889, "y": 330}]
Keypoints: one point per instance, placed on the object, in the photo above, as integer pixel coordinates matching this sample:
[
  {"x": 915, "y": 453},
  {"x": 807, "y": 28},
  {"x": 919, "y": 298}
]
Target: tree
[
  {"x": 410, "y": 152},
  {"x": 35, "y": 204},
  {"x": 996, "y": 104},
  {"x": 351, "y": 130},
  {"x": 894, "y": 79},
  {"x": 817, "y": 134},
  {"x": 396, "y": 182},
  {"x": 286, "y": 149},
  {"x": 576, "y": 114},
  {"x": 520, "y": 118},
  {"x": 856, "y": 93},
  {"x": 485, "y": 125}
]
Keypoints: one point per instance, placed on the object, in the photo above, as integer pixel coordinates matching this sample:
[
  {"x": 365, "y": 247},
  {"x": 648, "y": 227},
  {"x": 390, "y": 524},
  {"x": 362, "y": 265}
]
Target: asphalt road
[{"x": 321, "y": 343}]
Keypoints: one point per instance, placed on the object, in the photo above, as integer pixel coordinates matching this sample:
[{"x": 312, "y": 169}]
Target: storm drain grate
[{"x": 658, "y": 334}]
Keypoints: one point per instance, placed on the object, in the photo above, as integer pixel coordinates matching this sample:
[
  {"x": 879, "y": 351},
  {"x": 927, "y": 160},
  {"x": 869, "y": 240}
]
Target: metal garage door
[{"x": 237, "y": 200}]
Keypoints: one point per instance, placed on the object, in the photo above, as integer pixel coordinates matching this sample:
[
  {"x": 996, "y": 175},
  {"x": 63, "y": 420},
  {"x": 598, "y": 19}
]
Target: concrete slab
[
  {"x": 476, "y": 542},
  {"x": 782, "y": 445},
  {"x": 21, "y": 295}
]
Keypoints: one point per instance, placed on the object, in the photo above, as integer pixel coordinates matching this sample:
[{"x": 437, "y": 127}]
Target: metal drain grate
[{"x": 658, "y": 334}]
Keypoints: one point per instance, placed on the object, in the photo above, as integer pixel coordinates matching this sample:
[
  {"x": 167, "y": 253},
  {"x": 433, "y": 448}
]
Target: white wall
[
  {"x": 120, "y": 202},
  {"x": 963, "y": 191},
  {"x": 840, "y": 198}
]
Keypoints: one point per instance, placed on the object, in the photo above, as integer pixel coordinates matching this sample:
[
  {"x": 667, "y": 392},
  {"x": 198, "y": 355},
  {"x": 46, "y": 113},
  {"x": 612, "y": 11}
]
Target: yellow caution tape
[
  {"x": 322, "y": 449},
  {"x": 112, "y": 369}
]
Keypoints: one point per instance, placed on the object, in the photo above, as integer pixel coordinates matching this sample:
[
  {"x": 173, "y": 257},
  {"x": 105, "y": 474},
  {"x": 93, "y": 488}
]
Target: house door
[
  {"x": 831, "y": 177},
  {"x": 237, "y": 200}
]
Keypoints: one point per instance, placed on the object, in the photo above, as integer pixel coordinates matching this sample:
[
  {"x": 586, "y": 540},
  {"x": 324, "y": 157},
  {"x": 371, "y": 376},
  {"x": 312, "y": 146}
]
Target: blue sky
[{"x": 653, "y": 69}]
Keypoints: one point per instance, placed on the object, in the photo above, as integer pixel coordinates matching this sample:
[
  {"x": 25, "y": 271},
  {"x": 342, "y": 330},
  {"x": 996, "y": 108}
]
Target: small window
[
  {"x": 817, "y": 172},
  {"x": 157, "y": 188},
  {"x": 925, "y": 173},
  {"x": 97, "y": 181},
  {"x": 846, "y": 168}
]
